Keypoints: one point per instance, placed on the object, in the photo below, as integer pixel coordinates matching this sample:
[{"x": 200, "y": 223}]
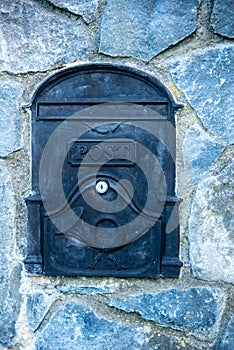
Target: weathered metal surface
[{"x": 123, "y": 158}]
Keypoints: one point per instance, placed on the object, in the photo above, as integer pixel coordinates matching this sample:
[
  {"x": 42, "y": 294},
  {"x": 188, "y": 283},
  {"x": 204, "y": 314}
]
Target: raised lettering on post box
[{"x": 117, "y": 150}]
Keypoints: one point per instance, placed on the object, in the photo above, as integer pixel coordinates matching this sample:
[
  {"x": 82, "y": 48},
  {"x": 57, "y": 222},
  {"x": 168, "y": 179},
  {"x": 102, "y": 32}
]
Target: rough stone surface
[
  {"x": 85, "y": 8},
  {"x": 124, "y": 28},
  {"x": 10, "y": 120},
  {"x": 83, "y": 290},
  {"x": 226, "y": 341},
  {"x": 38, "y": 305},
  {"x": 200, "y": 151},
  {"x": 9, "y": 273},
  {"x": 194, "y": 310},
  {"x": 82, "y": 313},
  {"x": 74, "y": 326},
  {"x": 211, "y": 227},
  {"x": 10, "y": 305},
  {"x": 7, "y": 217},
  {"x": 142, "y": 29},
  {"x": 34, "y": 38},
  {"x": 206, "y": 77},
  {"x": 171, "y": 22},
  {"x": 222, "y": 18}
]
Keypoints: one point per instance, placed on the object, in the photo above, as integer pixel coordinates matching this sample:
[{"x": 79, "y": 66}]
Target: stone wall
[{"x": 188, "y": 46}]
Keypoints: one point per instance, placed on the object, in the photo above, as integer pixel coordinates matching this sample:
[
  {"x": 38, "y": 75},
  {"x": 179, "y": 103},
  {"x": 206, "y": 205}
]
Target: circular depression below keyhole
[{"x": 102, "y": 187}]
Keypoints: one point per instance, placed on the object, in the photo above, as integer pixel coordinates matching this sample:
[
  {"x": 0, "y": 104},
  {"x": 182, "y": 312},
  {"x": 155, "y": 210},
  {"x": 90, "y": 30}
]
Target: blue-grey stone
[
  {"x": 200, "y": 151},
  {"x": 124, "y": 28},
  {"x": 222, "y": 18},
  {"x": 171, "y": 22},
  {"x": 10, "y": 120},
  {"x": 7, "y": 218},
  {"x": 142, "y": 29},
  {"x": 9, "y": 272},
  {"x": 221, "y": 190},
  {"x": 36, "y": 38},
  {"x": 10, "y": 306},
  {"x": 206, "y": 78},
  {"x": 74, "y": 326},
  {"x": 211, "y": 226},
  {"x": 85, "y": 8},
  {"x": 226, "y": 341},
  {"x": 193, "y": 310},
  {"x": 38, "y": 305},
  {"x": 83, "y": 290},
  {"x": 8, "y": 311}
]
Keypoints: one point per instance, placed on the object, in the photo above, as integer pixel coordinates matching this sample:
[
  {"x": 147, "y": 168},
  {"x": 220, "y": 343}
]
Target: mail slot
[{"x": 103, "y": 175}]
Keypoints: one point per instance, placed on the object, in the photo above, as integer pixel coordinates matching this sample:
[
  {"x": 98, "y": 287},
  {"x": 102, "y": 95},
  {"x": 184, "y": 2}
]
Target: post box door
[{"x": 103, "y": 175}]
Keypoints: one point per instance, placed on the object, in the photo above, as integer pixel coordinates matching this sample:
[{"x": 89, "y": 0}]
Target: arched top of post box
[{"x": 100, "y": 83}]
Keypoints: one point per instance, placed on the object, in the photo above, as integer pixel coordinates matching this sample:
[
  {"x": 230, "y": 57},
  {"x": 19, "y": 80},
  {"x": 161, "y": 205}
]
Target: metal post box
[{"x": 103, "y": 197}]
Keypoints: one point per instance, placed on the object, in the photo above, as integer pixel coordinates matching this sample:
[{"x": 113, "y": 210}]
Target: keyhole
[{"x": 101, "y": 187}]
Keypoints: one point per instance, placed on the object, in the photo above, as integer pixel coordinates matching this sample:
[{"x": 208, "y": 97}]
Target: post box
[{"x": 103, "y": 197}]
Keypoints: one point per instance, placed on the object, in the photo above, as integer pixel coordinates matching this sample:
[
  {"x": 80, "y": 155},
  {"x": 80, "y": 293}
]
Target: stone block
[
  {"x": 226, "y": 339},
  {"x": 10, "y": 272},
  {"x": 7, "y": 232},
  {"x": 83, "y": 290},
  {"x": 194, "y": 310},
  {"x": 35, "y": 38},
  {"x": 10, "y": 305},
  {"x": 222, "y": 18},
  {"x": 143, "y": 29},
  {"x": 171, "y": 22},
  {"x": 85, "y": 8},
  {"x": 206, "y": 78},
  {"x": 200, "y": 151},
  {"x": 74, "y": 326},
  {"x": 10, "y": 120},
  {"x": 38, "y": 305},
  {"x": 211, "y": 227}
]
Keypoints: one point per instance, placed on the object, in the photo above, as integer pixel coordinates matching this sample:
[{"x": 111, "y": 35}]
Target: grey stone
[
  {"x": 194, "y": 310},
  {"x": 9, "y": 273},
  {"x": 33, "y": 38},
  {"x": 124, "y": 28},
  {"x": 222, "y": 18},
  {"x": 83, "y": 290},
  {"x": 10, "y": 305},
  {"x": 226, "y": 341},
  {"x": 8, "y": 312},
  {"x": 74, "y": 326},
  {"x": 211, "y": 227},
  {"x": 171, "y": 22},
  {"x": 7, "y": 232},
  {"x": 206, "y": 78},
  {"x": 167, "y": 341},
  {"x": 85, "y": 8},
  {"x": 200, "y": 151},
  {"x": 38, "y": 305},
  {"x": 142, "y": 29},
  {"x": 10, "y": 121}
]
